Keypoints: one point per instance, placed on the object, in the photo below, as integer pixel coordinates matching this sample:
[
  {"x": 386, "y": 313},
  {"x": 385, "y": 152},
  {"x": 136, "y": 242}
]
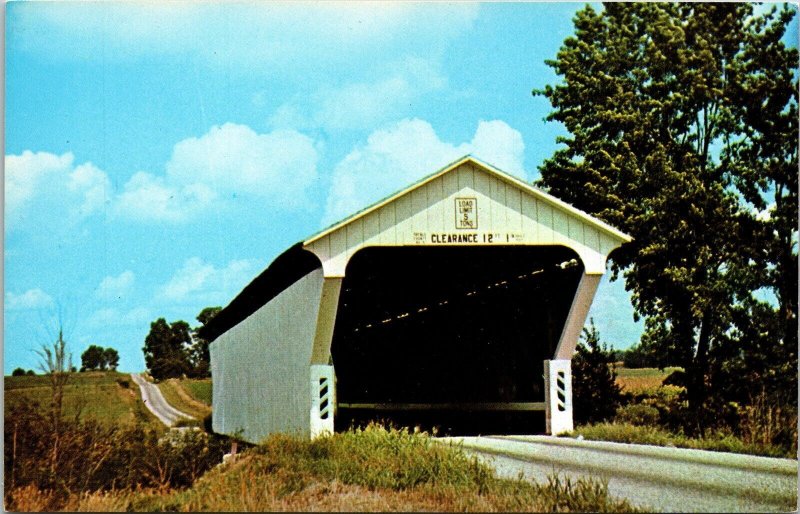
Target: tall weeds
[
  {"x": 93, "y": 456},
  {"x": 766, "y": 422},
  {"x": 370, "y": 469}
]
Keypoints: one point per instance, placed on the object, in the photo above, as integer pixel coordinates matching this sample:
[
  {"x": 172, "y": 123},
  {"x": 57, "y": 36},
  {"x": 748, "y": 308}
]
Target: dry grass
[
  {"x": 377, "y": 470},
  {"x": 363, "y": 470}
]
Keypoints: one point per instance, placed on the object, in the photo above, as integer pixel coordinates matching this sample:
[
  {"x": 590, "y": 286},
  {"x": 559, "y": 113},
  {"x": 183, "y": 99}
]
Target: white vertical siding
[
  {"x": 510, "y": 213},
  {"x": 261, "y": 366}
]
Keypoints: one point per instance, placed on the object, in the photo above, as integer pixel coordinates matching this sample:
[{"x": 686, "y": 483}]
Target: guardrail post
[
  {"x": 323, "y": 396},
  {"x": 558, "y": 396}
]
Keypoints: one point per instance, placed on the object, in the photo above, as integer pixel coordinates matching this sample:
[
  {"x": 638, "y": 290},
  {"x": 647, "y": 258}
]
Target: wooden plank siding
[{"x": 507, "y": 212}]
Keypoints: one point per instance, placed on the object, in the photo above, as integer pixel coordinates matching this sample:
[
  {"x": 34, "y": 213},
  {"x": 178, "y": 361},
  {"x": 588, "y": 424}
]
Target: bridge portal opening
[{"x": 450, "y": 337}]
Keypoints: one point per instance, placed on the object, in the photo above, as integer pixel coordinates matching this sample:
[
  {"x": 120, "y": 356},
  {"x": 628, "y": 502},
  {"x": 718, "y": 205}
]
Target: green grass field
[
  {"x": 636, "y": 380},
  {"x": 96, "y": 394},
  {"x": 179, "y": 395},
  {"x": 199, "y": 389}
]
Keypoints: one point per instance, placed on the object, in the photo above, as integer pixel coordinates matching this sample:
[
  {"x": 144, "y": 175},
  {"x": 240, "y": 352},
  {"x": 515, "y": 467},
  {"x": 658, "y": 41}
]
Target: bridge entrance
[{"x": 430, "y": 336}]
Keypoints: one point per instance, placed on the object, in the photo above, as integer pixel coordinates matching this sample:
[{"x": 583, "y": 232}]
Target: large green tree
[
  {"x": 166, "y": 349},
  {"x": 92, "y": 358},
  {"x": 763, "y": 157},
  {"x": 200, "y": 357},
  {"x": 173, "y": 350},
  {"x": 659, "y": 100},
  {"x": 99, "y": 358}
]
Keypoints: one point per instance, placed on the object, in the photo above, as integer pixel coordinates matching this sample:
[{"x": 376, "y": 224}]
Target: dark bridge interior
[{"x": 450, "y": 337}]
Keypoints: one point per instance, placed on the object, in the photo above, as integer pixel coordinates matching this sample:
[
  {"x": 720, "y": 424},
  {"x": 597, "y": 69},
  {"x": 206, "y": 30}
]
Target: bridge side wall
[{"x": 261, "y": 366}]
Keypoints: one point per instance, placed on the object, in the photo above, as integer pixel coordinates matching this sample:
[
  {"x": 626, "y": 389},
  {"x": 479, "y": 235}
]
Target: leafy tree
[
  {"x": 201, "y": 360},
  {"x": 92, "y": 358},
  {"x": 764, "y": 157},
  {"x": 19, "y": 372},
  {"x": 111, "y": 359},
  {"x": 595, "y": 393},
  {"x": 660, "y": 101},
  {"x": 643, "y": 355},
  {"x": 99, "y": 358},
  {"x": 166, "y": 349}
]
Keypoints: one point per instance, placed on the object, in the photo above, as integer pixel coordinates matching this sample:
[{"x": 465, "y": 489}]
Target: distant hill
[{"x": 107, "y": 396}]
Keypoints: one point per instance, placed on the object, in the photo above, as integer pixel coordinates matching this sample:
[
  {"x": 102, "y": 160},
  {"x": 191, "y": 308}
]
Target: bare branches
[{"x": 56, "y": 363}]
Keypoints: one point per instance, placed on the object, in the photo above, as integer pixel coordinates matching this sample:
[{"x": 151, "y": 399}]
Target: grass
[
  {"x": 199, "y": 389},
  {"x": 176, "y": 394},
  {"x": 714, "y": 441},
  {"x": 99, "y": 395},
  {"x": 373, "y": 469},
  {"x": 639, "y": 380}
]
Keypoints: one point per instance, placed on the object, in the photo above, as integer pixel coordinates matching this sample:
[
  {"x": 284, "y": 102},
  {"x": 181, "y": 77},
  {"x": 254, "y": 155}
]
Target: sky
[{"x": 159, "y": 156}]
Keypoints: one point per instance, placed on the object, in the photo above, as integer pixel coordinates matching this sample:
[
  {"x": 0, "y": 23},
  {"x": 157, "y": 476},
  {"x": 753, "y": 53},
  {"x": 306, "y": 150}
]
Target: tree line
[
  {"x": 682, "y": 128},
  {"x": 94, "y": 358},
  {"x": 173, "y": 350}
]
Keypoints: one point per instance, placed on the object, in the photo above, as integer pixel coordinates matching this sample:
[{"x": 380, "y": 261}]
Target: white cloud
[
  {"x": 499, "y": 145},
  {"x": 403, "y": 153},
  {"x": 190, "y": 278},
  {"x": 228, "y": 160},
  {"x": 148, "y": 197},
  {"x": 288, "y": 116},
  {"x": 111, "y": 287},
  {"x": 365, "y": 104},
  {"x": 25, "y": 172},
  {"x": 200, "y": 282},
  {"x": 112, "y": 317},
  {"x": 273, "y": 36},
  {"x": 93, "y": 184},
  {"x": 70, "y": 192},
  {"x": 30, "y": 299},
  {"x": 280, "y": 165}
]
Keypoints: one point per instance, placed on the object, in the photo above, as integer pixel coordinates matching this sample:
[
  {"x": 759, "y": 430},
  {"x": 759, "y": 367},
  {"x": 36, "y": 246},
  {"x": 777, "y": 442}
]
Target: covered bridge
[{"x": 462, "y": 295}]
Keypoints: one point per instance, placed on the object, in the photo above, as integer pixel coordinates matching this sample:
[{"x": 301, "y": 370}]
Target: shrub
[
  {"x": 91, "y": 456},
  {"x": 641, "y": 355},
  {"x": 19, "y": 372},
  {"x": 596, "y": 394},
  {"x": 713, "y": 440},
  {"x": 207, "y": 423},
  {"x": 637, "y": 414},
  {"x": 125, "y": 384}
]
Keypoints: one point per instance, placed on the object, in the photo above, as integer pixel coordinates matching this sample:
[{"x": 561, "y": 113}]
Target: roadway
[
  {"x": 155, "y": 402},
  {"x": 655, "y": 478}
]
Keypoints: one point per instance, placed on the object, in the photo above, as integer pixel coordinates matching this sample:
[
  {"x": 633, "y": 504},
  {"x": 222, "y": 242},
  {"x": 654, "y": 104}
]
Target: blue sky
[{"x": 158, "y": 157}]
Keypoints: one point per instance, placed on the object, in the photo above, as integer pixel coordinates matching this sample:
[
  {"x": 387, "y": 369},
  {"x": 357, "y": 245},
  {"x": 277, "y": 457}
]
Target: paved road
[
  {"x": 657, "y": 478},
  {"x": 155, "y": 402}
]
